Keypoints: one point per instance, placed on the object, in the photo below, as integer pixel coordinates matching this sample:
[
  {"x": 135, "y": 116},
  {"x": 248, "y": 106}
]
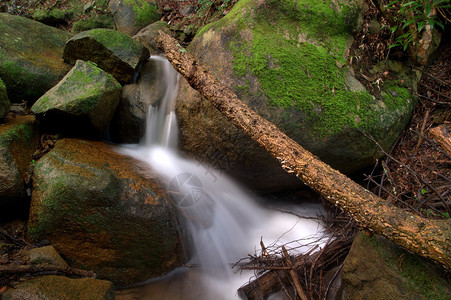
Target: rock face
[
  {"x": 147, "y": 35},
  {"x": 82, "y": 103},
  {"x": 4, "y": 100},
  {"x": 129, "y": 122},
  {"x": 277, "y": 57},
  {"x": 102, "y": 211},
  {"x": 131, "y": 16},
  {"x": 113, "y": 51},
  {"x": 60, "y": 287},
  {"x": 30, "y": 57},
  {"x": 19, "y": 139},
  {"x": 376, "y": 269}
]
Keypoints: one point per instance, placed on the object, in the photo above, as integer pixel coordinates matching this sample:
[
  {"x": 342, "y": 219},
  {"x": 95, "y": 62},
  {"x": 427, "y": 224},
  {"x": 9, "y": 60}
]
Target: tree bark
[{"x": 425, "y": 237}]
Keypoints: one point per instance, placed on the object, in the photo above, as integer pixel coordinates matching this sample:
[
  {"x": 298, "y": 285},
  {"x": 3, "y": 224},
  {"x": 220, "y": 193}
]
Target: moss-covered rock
[
  {"x": 377, "y": 269},
  {"x": 113, "y": 51},
  {"x": 82, "y": 103},
  {"x": 147, "y": 35},
  {"x": 92, "y": 22},
  {"x": 19, "y": 139},
  {"x": 132, "y": 15},
  {"x": 4, "y": 100},
  {"x": 60, "y": 287},
  {"x": 287, "y": 61},
  {"x": 30, "y": 57},
  {"x": 56, "y": 16},
  {"x": 103, "y": 212}
]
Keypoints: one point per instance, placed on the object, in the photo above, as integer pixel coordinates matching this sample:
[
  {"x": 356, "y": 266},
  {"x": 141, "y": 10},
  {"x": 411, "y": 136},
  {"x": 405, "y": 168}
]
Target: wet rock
[
  {"x": 113, "y": 51},
  {"x": 131, "y": 16},
  {"x": 104, "y": 212},
  {"x": 60, "y": 287},
  {"x": 4, "y": 100},
  {"x": 147, "y": 35},
  {"x": 47, "y": 255},
  {"x": 377, "y": 269},
  {"x": 30, "y": 57},
  {"x": 19, "y": 139},
  {"x": 82, "y": 103},
  {"x": 287, "y": 69},
  {"x": 128, "y": 124}
]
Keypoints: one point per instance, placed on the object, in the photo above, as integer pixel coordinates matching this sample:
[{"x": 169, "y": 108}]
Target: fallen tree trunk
[{"x": 425, "y": 237}]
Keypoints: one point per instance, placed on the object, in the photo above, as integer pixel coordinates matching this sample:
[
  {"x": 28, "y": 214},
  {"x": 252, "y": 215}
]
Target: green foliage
[{"x": 410, "y": 19}]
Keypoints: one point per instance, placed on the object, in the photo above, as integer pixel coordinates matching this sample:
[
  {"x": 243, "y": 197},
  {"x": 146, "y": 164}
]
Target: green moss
[
  {"x": 145, "y": 12},
  {"x": 294, "y": 49},
  {"x": 115, "y": 41},
  {"x": 418, "y": 275},
  {"x": 99, "y": 21}
]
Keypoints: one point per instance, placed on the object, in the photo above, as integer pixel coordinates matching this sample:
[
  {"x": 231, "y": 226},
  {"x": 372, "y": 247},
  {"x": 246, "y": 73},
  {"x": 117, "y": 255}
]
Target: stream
[{"x": 223, "y": 222}]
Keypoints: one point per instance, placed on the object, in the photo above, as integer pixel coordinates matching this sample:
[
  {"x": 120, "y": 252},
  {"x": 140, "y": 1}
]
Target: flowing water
[{"x": 224, "y": 223}]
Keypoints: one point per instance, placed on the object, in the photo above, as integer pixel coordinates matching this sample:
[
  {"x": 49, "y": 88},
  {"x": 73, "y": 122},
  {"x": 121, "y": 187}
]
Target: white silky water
[{"x": 224, "y": 223}]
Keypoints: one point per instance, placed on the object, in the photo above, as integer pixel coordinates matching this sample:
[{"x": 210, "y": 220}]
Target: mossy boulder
[
  {"x": 132, "y": 15},
  {"x": 287, "y": 61},
  {"x": 129, "y": 122},
  {"x": 60, "y": 287},
  {"x": 82, "y": 103},
  {"x": 113, "y": 51},
  {"x": 19, "y": 139},
  {"x": 30, "y": 57},
  {"x": 92, "y": 22},
  {"x": 147, "y": 35},
  {"x": 4, "y": 100},
  {"x": 54, "y": 16},
  {"x": 104, "y": 212},
  {"x": 378, "y": 269}
]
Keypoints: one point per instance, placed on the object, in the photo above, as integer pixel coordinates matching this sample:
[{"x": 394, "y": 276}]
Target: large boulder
[
  {"x": 4, "y": 100},
  {"x": 288, "y": 62},
  {"x": 60, "y": 287},
  {"x": 82, "y": 103},
  {"x": 104, "y": 212},
  {"x": 131, "y": 16},
  {"x": 378, "y": 269},
  {"x": 113, "y": 51},
  {"x": 19, "y": 139},
  {"x": 30, "y": 57}
]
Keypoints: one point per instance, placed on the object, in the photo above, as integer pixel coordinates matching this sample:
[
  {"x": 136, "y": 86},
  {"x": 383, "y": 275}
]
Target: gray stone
[
  {"x": 131, "y": 16},
  {"x": 82, "y": 103},
  {"x": 30, "y": 57},
  {"x": 113, "y": 51}
]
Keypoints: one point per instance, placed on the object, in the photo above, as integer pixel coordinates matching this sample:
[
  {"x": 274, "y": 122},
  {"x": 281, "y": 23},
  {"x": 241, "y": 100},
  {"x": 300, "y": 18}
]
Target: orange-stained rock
[
  {"x": 104, "y": 211},
  {"x": 19, "y": 139}
]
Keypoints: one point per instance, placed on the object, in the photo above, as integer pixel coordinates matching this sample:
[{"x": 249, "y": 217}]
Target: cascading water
[{"x": 224, "y": 223}]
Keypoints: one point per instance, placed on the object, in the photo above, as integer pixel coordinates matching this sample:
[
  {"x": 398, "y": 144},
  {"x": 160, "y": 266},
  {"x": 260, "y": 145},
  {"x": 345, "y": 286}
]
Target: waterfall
[{"x": 225, "y": 223}]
